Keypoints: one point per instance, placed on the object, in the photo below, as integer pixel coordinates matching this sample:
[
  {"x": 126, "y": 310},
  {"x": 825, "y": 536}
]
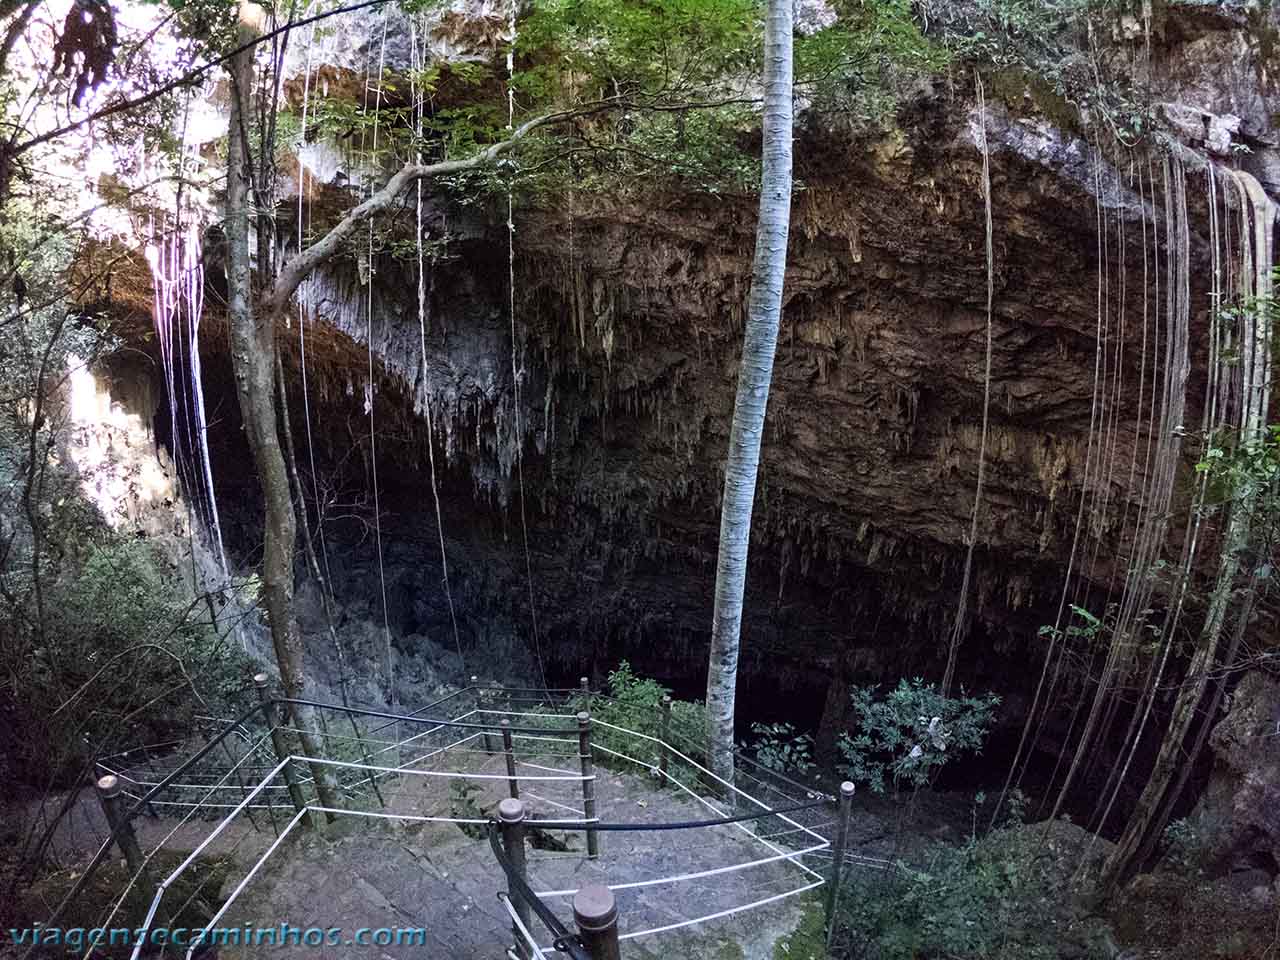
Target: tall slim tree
[{"x": 764, "y": 313}]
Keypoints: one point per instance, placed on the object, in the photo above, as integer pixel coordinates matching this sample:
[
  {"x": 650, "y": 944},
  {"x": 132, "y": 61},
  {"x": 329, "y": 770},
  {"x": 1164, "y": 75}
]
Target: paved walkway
[{"x": 379, "y": 873}]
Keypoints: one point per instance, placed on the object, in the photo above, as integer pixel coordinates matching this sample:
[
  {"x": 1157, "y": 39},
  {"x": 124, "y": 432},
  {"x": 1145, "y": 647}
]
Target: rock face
[
  {"x": 1239, "y": 812},
  {"x": 626, "y": 325}
]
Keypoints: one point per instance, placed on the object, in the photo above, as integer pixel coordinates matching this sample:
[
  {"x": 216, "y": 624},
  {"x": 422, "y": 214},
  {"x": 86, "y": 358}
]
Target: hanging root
[
  {"x": 515, "y": 371},
  {"x": 958, "y": 626},
  {"x": 419, "y": 115}
]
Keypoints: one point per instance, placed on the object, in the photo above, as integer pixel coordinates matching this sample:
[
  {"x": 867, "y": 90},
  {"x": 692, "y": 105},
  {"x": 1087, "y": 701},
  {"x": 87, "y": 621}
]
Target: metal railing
[{"x": 547, "y": 742}]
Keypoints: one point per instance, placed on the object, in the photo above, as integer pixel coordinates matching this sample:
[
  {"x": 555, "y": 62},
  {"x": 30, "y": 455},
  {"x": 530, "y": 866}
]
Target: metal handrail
[
  {"x": 435, "y": 703},
  {"x": 392, "y": 719},
  {"x": 737, "y": 752},
  {"x": 564, "y": 941},
  {"x": 399, "y": 718},
  {"x": 124, "y": 822}
]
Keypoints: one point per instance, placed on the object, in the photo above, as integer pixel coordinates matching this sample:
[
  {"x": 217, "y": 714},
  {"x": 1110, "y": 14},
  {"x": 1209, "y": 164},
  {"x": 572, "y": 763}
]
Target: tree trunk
[
  {"x": 253, "y": 359},
  {"x": 760, "y": 340}
]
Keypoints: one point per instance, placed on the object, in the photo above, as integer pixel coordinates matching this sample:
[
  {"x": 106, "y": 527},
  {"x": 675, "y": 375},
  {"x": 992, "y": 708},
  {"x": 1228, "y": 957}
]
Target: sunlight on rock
[{"x": 122, "y": 471}]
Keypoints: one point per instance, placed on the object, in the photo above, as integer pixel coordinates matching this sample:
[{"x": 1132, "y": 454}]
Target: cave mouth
[{"x": 639, "y": 612}]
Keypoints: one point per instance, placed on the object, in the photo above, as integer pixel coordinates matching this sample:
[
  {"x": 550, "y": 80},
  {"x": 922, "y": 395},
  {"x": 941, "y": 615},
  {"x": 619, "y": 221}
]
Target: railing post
[
  {"x": 511, "y": 817},
  {"x": 512, "y": 783},
  {"x": 490, "y": 699},
  {"x": 596, "y": 913},
  {"x": 666, "y": 735},
  {"x": 584, "y": 686},
  {"x": 277, "y": 742},
  {"x": 588, "y": 781},
  {"x": 109, "y": 795},
  {"x": 837, "y": 862}
]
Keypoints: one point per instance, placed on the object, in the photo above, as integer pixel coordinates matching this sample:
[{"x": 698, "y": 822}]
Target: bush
[
  {"x": 991, "y": 898},
  {"x": 127, "y": 656},
  {"x": 1185, "y": 848},
  {"x": 635, "y": 704},
  {"x": 190, "y": 902},
  {"x": 907, "y": 735},
  {"x": 779, "y": 748}
]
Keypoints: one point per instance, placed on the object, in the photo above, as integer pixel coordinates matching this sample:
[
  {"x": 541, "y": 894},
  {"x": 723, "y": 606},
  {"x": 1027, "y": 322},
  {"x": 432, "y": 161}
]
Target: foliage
[
  {"x": 1087, "y": 629},
  {"x": 1233, "y": 467},
  {"x": 689, "y": 71},
  {"x": 855, "y": 71},
  {"x": 1050, "y": 50},
  {"x": 808, "y": 939},
  {"x": 1016, "y": 804},
  {"x": 210, "y": 26},
  {"x": 1006, "y": 33},
  {"x": 992, "y": 898},
  {"x": 670, "y": 48},
  {"x": 464, "y": 804},
  {"x": 907, "y": 735},
  {"x": 127, "y": 654},
  {"x": 778, "y": 747},
  {"x": 190, "y": 902},
  {"x": 635, "y": 704},
  {"x": 103, "y": 637}
]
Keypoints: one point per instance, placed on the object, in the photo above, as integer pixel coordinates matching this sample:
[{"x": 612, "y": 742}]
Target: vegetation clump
[
  {"x": 636, "y": 704},
  {"x": 905, "y": 736},
  {"x": 1007, "y": 895}
]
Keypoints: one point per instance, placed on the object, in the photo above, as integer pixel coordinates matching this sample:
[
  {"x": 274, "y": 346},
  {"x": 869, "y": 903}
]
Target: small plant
[
  {"x": 778, "y": 747},
  {"x": 634, "y": 703},
  {"x": 908, "y": 734},
  {"x": 989, "y": 898},
  {"x": 1083, "y": 625},
  {"x": 1015, "y": 807},
  {"x": 464, "y": 804}
]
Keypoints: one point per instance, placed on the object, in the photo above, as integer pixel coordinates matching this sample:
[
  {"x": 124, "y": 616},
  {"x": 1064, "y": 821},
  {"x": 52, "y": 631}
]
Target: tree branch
[
  {"x": 14, "y": 30},
  {"x": 189, "y": 77},
  {"x": 297, "y": 269}
]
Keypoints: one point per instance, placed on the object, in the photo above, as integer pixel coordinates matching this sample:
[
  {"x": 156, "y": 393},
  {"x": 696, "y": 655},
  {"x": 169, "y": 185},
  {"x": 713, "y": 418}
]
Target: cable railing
[{"x": 534, "y": 746}]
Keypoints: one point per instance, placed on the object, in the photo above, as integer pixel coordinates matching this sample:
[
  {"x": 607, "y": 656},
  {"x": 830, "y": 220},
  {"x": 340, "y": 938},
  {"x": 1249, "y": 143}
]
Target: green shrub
[
  {"x": 189, "y": 902},
  {"x": 635, "y": 704},
  {"x": 779, "y": 748},
  {"x": 909, "y": 733},
  {"x": 126, "y": 656},
  {"x": 989, "y": 898},
  {"x": 1184, "y": 848}
]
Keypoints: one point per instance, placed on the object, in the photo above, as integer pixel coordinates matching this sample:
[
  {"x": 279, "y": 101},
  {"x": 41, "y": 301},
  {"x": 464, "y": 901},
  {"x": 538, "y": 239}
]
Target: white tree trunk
[{"x": 764, "y": 311}]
